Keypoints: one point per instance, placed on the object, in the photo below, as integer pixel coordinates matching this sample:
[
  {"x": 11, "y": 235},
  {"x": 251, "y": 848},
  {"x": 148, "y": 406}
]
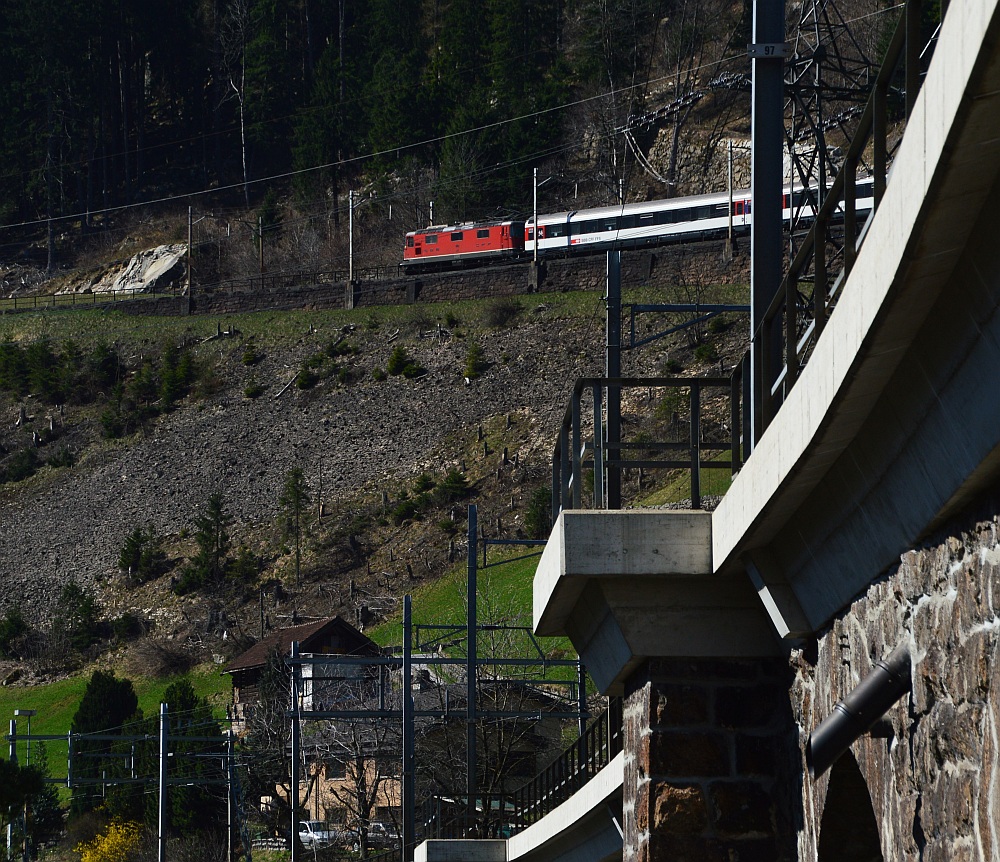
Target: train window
[
  {"x": 457, "y": 236},
  {"x": 483, "y": 233},
  {"x": 556, "y": 230},
  {"x": 646, "y": 218},
  {"x": 409, "y": 242},
  {"x": 627, "y": 222},
  {"x": 431, "y": 239},
  {"x": 703, "y": 212},
  {"x": 610, "y": 224}
]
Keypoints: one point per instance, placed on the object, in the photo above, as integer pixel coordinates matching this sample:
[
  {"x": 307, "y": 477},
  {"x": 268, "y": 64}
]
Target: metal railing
[
  {"x": 700, "y": 441},
  {"x": 503, "y": 815},
  {"x": 84, "y": 300},
  {"x": 598, "y": 746},
  {"x": 793, "y": 322}
]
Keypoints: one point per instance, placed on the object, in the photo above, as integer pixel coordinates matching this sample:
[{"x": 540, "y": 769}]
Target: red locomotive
[{"x": 455, "y": 244}]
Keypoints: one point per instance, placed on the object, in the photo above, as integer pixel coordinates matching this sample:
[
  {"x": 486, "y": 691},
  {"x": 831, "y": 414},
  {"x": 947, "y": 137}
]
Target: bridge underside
[{"x": 893, "y": 426}]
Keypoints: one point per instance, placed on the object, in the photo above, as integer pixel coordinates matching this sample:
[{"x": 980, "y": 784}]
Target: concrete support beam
[{"x": 627, "y": 585}]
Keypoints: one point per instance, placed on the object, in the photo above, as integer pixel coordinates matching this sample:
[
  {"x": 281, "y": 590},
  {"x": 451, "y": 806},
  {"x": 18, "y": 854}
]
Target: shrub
[
  {"x": 127, "y": 627},
  {"x": 706, "y": 352},
  {"x": 379, "y": 375},
  {"x": 343, "y": 348},
  {"x": 141, "y": 557},
  {"x": 62, "y": 458},
  {"x": 453, "y": 487},
  {"x": 251, "y": 355},
  {"x": 423, "y": 483},
  {"x": 77, "y": 615},
  {"x": 405, "y": 510},
  {"x": 398, "y": 360},
  {"x": 538, "y": 515},
  {"x": 253, "y": 388},
  {"x": 13, "y": 627},
  {"x": 306, "y": 379},
  {"x": 117, "y": 844},
  {"x": 502, "y": 312},
  {"x": 475, "y": 361},
  {"x": 21, "y": 465}
]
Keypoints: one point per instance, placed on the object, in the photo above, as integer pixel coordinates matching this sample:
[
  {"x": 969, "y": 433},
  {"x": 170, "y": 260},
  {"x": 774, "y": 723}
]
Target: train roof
[
  {"x": 469, "y": 225},
  {"x": 643, "y": 206},
  {"x": 656, "y": 205}
]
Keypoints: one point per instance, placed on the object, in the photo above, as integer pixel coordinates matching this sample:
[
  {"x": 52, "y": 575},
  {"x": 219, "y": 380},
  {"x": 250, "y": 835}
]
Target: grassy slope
[{"x": 56, "y": 702}]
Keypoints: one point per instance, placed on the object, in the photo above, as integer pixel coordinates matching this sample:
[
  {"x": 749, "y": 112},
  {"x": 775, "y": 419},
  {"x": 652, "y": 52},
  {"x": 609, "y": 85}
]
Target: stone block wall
[
  {"x": 710, "y": 762},
  {"x": 931, "y": 767}
]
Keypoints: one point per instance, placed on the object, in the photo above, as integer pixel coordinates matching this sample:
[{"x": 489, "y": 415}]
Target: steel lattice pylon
[{"x": 828, "y": 80}]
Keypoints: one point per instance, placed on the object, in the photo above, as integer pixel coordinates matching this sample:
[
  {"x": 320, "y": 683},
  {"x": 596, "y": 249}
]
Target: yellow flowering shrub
[{"x": 115, "y": 845}]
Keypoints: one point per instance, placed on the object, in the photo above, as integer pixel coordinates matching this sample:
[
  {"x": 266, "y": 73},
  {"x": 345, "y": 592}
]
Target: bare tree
[{"x": 234, "y": 34}]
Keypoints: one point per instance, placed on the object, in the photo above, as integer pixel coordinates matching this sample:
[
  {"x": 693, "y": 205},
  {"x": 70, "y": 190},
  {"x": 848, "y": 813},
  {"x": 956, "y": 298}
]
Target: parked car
[
  {"x": 313, "y": 833},
  {"x": 380, "y": 836}
]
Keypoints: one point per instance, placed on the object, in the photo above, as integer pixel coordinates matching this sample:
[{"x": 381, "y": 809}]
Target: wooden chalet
[{"x": 333, "y": 636}]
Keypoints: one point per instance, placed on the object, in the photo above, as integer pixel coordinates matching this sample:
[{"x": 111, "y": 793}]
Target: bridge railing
[
  {"x": 798, "y": 313},
  {"x": 697, "y": 428},
  {"x": 503, "y": 815}
]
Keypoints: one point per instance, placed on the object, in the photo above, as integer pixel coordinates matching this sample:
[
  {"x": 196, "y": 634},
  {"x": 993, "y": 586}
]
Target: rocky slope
[{"x": 358, "y": 440}]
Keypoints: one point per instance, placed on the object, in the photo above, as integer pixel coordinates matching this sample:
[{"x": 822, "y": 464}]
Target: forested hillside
[{"x": 228, "y": 105}]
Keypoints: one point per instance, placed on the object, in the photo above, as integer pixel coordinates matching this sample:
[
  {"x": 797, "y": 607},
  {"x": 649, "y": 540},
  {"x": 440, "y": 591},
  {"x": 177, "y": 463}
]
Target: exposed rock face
[
  {"x": 932, "y": 768},
  {"x": 155, "y": 267}
]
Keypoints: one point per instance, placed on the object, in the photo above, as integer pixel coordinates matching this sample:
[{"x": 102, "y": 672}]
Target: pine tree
[
  {"x": 294, "y": 502},
  {"x": 107, "y": 704}
]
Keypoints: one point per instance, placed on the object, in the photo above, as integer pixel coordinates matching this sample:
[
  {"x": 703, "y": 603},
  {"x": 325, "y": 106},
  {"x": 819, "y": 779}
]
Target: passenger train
[{"x": 592, "y": 230}]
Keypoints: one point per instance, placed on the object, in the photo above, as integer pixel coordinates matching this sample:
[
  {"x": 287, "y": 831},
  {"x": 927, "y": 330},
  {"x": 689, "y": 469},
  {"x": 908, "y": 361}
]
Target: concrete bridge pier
[{"x": 711, "y": 764}]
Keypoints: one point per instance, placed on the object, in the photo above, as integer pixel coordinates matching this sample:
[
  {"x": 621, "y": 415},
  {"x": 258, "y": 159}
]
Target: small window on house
[{"x": 335, "y": 768}]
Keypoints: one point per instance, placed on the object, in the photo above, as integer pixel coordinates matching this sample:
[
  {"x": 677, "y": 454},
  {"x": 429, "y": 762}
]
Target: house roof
[{"x": 311, "y": 638}]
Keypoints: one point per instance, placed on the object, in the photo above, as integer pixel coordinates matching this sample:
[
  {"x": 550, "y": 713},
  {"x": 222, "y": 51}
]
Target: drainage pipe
[{"x": 856, "y": 713}]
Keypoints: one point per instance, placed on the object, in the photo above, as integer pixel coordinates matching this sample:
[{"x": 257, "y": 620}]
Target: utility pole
[
  {"x": 230, "y": 802},
  {"x": 409, "y": 732},
  {"x": 190, "y": 256},
  {"x": 350, "y": 236},
  {"x": 26, "y": 713},
  {"x": 12, "y": 756},
  {"x": 767, "y": 52},
  {"x": 613, "y": 370},
  {"x": 260, "y": 248},
  {"x": 294, "y": 771},
  {"x": 190, "y": 248},
  {"x": 161, "y": 844},
  {"x": 534, "y": 221},
  {"x": 470, "y": 668}
]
